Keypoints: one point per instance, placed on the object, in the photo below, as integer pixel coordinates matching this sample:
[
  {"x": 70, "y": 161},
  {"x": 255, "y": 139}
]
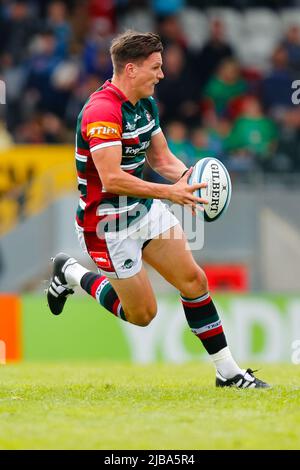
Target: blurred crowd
[{"x": 214, "y": 100}]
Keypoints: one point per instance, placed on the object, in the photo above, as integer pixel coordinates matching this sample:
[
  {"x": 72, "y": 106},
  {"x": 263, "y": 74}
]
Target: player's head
[{"x": 137, "y": 57}]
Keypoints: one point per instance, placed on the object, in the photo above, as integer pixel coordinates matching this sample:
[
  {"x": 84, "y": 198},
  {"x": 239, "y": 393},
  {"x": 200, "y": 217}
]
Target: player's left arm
[{"x": 162, "y": 160}]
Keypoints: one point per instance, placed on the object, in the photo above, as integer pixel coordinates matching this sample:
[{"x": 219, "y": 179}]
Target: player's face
[{"x": 148, "y": 74}]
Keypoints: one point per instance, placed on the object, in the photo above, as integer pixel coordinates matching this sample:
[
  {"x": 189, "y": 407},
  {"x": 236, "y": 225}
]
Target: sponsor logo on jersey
[
  {"x": 104, "y": 130},
  {"x": 101, "y": 259},
  {"x": 132, "y": 151},
  {"x": 137, "y": 117}
]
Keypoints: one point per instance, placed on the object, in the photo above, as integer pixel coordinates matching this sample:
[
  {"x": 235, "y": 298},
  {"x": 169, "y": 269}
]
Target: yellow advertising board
[{"x": 31, "y": 176}]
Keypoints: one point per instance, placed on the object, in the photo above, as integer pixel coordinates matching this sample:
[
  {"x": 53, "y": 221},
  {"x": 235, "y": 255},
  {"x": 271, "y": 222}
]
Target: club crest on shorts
[
  {"x": 128, "y": 264},
  {"x": 101, "y": 259}
]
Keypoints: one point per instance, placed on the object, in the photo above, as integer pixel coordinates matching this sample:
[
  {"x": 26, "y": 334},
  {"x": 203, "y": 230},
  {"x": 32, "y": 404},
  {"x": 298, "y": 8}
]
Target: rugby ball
[{"x": 218, "y": 191}]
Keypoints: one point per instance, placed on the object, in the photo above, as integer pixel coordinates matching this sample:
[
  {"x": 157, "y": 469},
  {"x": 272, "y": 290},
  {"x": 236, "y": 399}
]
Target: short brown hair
[{"x": 132, "y": 46}]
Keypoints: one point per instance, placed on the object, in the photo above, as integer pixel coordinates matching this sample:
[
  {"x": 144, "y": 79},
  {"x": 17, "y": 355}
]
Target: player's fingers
[
  {"x": 200, "y": 199},
  {"x": 196, "y": 186},
  {"x": 188, "y": 173}
]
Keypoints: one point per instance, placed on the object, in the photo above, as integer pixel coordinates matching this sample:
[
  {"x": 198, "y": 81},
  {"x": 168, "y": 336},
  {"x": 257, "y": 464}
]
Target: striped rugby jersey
[{"x": 109, "y": 119}]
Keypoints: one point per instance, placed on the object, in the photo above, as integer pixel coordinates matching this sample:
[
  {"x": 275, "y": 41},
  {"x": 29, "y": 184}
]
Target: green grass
[{"x": 120, "y": 406}]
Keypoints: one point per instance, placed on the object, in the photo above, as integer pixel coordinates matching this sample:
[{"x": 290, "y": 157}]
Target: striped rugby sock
[
  {"x": 204, "y": 321},
  {"x": 101, "y": 289}
]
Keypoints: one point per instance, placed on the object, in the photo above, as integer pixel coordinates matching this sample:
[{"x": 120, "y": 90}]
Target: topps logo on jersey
[
  {"x": 132, "y": 151},
  {"x": 103, "y": 130}
]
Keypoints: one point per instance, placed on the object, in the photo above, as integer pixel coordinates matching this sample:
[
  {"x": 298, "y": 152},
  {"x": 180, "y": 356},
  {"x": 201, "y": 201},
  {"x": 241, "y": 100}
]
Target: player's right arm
[
  {"x": 102, "y": 129},
  {"x": 116, "y": 181}
]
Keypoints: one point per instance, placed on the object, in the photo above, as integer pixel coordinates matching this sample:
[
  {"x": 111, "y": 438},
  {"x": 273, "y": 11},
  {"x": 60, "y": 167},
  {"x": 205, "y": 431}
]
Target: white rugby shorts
[{"x": 118, "y": 255}]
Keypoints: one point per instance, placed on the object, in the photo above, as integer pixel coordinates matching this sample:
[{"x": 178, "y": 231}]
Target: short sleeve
[
  {"x": 156, "y": 128},
  {"x": 102, "y": 124}
]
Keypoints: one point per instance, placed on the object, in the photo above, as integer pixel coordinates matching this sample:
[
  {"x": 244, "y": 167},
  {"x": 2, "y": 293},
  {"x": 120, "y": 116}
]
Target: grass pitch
[{"x": 120, "y": 406}]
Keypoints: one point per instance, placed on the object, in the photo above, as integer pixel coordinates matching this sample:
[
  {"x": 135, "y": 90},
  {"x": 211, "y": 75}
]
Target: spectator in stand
[
  {"x": 277, "y": 86},
  {"x": 214, "y": 51},
  {"x": 17, "y": 30},
  {"x": 30, "y": 131},
  {"x": 79, "y": 21},
  {"x": 176, "y": 92},
  {"x": 291, "y": 44},
  {"x": 41, "y": 67},
  {"x": 176, "y": 133},
  {"x": 227, "y": 85},
  {"x": 171, "y": 32},
  {"x": 177, "y": 138},
  {"x": 97, "y": 62},
  {"x": 64, "y": 80},
  {"x": 53, "y": 91},
  {"x": 253, "y": 138},
  {"x": 167, "y": 7},
  {"x": 205, "y": 143},
  {"x": 54, "y": 131},
  {"x": 57, "y": 22},
  {"x": 84, "y": 89},
  {"x": 14, "y": 77},
  {"x": 104, "y": 10},
  {"x": 277, "y": 97},
  {"x": 41, "y": 128},
  {"x": 218, "y": 130},
  {"x": 96, "y": 59}
]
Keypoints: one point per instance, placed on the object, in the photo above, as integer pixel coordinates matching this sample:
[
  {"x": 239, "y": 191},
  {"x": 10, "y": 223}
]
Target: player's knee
[
  {"x": 196, "y": 284},
  {"x": 145, "y": 320},
  {"x": 142, "y": 317},
  {"x": 147, "y": 316}
]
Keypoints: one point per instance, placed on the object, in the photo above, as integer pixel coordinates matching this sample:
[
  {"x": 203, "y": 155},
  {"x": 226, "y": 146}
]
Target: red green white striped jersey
[{"x": 109, "y": 119}]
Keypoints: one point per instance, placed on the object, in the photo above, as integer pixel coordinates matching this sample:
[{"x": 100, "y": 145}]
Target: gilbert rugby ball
[{"x": 218, "y": 191}]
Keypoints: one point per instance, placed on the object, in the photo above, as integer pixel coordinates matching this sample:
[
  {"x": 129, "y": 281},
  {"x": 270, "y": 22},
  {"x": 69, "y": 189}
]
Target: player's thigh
[
  {"x": 137, "y": 297},
  {"x": 170, "y": 255}
]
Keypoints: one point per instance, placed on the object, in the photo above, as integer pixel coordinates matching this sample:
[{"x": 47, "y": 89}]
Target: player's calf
[{"x": 68, "y": 273}]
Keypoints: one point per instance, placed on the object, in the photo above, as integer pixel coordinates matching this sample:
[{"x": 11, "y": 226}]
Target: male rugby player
[{"x": 121, "y": 220}]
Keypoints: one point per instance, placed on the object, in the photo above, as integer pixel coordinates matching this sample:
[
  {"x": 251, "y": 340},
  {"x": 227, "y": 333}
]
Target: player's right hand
[{"x": 183, "y": 193}]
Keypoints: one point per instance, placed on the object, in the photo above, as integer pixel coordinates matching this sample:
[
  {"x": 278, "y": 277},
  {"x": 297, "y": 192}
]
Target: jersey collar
[
  {"x": 119, "y": 93},
  {"x": 115, "y": 89}
]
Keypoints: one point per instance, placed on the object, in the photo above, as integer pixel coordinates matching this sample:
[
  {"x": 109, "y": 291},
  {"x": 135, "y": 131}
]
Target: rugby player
[{"x": 121, "y": 220}]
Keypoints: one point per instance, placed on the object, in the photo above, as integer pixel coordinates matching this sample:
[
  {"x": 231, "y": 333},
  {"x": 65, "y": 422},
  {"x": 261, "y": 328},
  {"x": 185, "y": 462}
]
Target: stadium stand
[{"x": 53, "y": 54}]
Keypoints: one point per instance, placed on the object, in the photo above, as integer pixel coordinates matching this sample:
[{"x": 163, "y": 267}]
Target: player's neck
[{"x": 125, "y": 88}]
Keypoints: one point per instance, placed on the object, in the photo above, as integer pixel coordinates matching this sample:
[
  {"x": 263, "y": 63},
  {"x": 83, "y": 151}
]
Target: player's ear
[{"x": 131, "y": 70}]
